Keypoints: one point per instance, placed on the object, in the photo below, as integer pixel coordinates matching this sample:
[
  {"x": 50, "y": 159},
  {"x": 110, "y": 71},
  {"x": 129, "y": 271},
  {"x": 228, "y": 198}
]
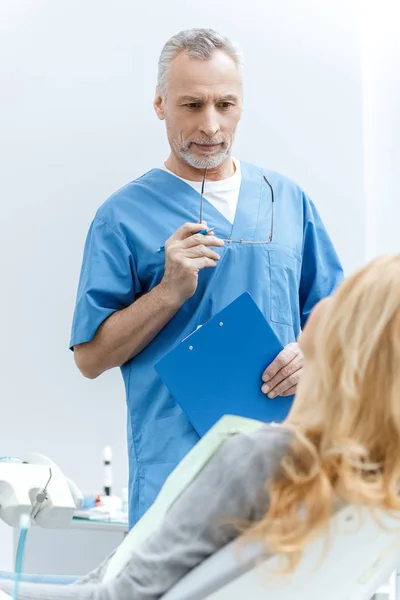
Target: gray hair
[{"x": 198, "y": 43}]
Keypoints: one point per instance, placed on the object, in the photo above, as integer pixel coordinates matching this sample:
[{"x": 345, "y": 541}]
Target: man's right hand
[{"x": 186, "y": 252}]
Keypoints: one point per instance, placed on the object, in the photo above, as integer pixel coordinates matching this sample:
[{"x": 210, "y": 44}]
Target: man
[{"x": 135, "y": 303}]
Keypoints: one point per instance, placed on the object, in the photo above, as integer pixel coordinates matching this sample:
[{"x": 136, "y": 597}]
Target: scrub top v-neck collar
[{"x": 251, "y": 193}]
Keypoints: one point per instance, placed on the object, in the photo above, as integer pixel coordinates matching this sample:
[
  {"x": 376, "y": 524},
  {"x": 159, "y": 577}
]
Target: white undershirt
[{"x": 223, "y": 194}]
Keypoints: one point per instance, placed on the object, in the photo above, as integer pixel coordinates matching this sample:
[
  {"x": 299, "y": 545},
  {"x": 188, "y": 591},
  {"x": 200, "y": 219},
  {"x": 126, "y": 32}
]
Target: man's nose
[{"x": 209, "y": 125}]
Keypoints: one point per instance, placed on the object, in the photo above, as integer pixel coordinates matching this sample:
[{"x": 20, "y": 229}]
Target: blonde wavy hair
[{"x": 352, "y": 450}]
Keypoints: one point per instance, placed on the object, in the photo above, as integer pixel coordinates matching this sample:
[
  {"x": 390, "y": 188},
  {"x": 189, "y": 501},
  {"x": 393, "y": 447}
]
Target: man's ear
[{"x": 159, "y": 105}]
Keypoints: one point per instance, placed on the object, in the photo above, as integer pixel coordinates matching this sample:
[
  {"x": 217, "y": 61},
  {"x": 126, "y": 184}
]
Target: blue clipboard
[{"x": 217, "y": 370}]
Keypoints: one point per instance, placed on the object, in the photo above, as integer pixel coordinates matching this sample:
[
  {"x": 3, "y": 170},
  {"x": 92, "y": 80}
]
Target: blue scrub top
[{"x": 286, "y": 278}]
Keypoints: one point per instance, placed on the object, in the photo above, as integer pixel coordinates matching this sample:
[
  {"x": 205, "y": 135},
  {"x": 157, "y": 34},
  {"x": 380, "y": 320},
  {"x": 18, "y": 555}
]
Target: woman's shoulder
[
  {"x": 265, "y": 438},
  {"x": 259, "y": 451}
]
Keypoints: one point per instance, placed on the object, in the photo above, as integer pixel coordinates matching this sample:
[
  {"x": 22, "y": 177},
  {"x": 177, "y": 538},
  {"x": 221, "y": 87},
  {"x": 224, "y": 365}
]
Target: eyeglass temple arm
[
  {"x": 202, "y": 193},
  {"x": 271, "y": 234}
]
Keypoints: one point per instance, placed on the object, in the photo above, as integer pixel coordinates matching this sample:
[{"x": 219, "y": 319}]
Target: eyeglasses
[{"x": 242, "y": 241}]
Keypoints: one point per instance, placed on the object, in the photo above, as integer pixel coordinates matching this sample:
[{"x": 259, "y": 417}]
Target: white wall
[
  {"x": 381, "y": 94},
  {"x": 76, "y": 85}
]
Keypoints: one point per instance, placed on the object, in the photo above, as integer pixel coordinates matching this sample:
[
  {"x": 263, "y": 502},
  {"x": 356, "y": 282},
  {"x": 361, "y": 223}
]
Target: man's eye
[
  {"x": 193, "y": 105},
  {"x": 226, "y": 105}
]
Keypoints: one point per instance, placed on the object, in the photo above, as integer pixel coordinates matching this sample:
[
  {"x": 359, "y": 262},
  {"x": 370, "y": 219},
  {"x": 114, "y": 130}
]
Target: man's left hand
[{"x": 283, "y": 374}]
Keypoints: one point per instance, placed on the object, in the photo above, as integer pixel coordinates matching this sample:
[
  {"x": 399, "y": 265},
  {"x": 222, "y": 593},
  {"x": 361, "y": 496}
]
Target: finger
[
  {"x": 290, "y": 392},
  {"x": 285, "y": 385},
  {"x": 283, "y": 359},
  {"x": 198, "y": 251},
  {"x": 284, "y": 373},
  {"x": 200, "y": 239},
  {"x": 202, "y": 263},
  {"x": 187, "y": 230}
]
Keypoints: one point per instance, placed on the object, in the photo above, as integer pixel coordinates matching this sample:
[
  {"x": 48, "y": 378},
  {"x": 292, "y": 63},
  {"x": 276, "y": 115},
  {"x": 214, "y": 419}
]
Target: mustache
[{"x": 207, "y": 142}]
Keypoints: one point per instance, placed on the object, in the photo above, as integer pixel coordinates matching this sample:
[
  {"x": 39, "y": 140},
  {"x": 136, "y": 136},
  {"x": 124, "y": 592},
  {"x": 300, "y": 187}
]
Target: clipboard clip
[
  {"x": 221, "y": 324},
  {"x": 188, "y": 336}
]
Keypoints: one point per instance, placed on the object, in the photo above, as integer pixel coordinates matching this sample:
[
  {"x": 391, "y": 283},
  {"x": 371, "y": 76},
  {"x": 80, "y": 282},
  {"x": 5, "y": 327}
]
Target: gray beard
[{"x": 209, "y": 162}]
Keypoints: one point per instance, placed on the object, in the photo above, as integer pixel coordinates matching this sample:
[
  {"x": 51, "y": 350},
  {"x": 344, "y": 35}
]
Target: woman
[{"x": 340, "y": 443}]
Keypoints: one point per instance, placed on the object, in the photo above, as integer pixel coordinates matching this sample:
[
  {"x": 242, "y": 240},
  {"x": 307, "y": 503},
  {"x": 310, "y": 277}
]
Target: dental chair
[{"x": 359, "y": 556}]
